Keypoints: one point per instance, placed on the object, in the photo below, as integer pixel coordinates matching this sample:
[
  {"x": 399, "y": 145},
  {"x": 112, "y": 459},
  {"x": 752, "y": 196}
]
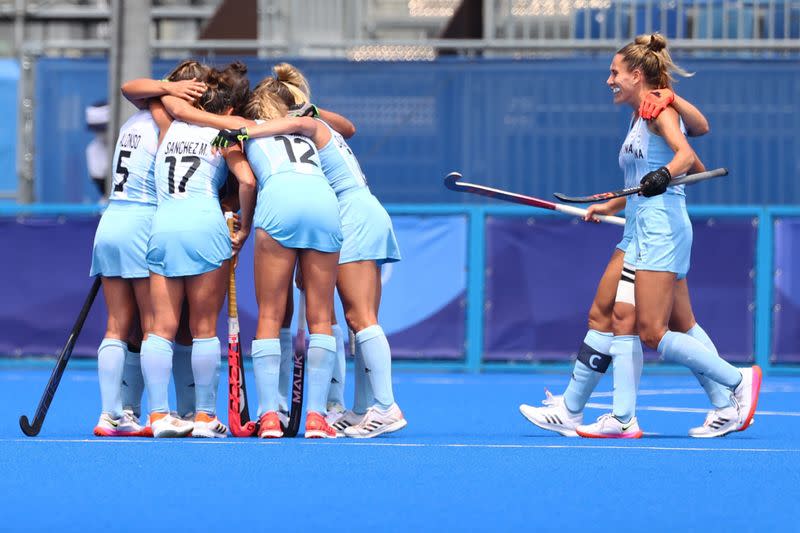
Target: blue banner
[
  {"x": 786, "y": 294},
  {"x": 542, "y": 275},
  {"x": 46, "y": 279}
]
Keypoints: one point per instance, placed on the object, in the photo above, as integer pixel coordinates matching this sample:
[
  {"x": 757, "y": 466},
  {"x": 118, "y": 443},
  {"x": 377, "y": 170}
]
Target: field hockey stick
[
  {"x": 298, "y": 373},
  {"x": 453, "y": 182},
  {"x": 238, "y": 413},
  {"x": 680, "y": 180},
  {"x": 32, "y": 430}
]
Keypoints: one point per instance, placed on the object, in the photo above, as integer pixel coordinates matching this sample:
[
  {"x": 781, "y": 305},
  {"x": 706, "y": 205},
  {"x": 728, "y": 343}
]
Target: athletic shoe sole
[
  {"x": 271, "y": 434},
  {"x": 755, "y": 388},
  {"x": 388, "y": 428},
  {"x": 102, "y": 432},
  {"x": 207, "y": 434},
  {"x": 318, "y": 434},
  {"x": 171, "y": 434},
  {"x": 543, "y": 425},
  {"x": 635, "y": 435}
]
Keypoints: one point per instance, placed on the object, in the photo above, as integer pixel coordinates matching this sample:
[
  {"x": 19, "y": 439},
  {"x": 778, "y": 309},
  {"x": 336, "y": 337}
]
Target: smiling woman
[{"x": 637, "y": 71}]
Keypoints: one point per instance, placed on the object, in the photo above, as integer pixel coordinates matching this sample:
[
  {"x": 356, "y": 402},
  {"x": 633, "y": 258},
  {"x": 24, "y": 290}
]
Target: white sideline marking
[
  {"x": 258, "y": 442},
  {"x": 687, "y": 409}
]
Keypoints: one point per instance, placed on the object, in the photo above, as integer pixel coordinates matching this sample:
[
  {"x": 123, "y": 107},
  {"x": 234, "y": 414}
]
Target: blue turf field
[{"x": 468, "y": 461}]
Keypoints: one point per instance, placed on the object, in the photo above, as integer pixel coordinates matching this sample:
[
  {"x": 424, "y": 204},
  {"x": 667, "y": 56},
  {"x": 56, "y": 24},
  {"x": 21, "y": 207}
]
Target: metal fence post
[
  {"x": 764, "y": 286},
  {"x": 476, "y": 279}
]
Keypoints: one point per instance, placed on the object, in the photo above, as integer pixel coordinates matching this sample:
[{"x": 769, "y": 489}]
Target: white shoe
[
  {"x": 746, "y": 395},
  {"x": 167, "y": 426},
  {"x": 554, "y": 416},
  {"x": 376, "y": 422},
  {"x": 348, "y": 419},
  {"x": 208, "y": 427},
  {"x": 609, "y": 427},
  {"x": 719, "y": 422},
  {"x": 125, "y": 426},
  {"x": 335, "y": 412}
]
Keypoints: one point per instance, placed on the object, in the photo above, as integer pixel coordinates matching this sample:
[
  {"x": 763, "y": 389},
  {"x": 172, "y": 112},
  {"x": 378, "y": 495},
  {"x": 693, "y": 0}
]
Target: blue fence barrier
[
  {"x": 532, "y": 126},
  {"x": 479, "y": 287}
]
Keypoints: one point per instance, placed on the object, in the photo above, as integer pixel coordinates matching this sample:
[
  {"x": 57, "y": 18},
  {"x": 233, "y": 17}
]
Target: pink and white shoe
[
  {"x": 124, "y": 426},
  {"x": 608, "y": 427},
  {"x": 746, "y": 395}
]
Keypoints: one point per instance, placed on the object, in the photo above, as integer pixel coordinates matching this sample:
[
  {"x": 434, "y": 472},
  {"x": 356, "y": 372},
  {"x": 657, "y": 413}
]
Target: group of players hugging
[
  {"x": 202, "y": 147},
  {"x": 164, "y": 252}
]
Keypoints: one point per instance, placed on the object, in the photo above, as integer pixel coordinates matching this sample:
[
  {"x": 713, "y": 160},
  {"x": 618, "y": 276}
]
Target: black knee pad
[{"x": 598, "y": 362}]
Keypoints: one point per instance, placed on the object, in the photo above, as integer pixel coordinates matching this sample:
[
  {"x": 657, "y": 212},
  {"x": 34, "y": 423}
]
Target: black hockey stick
[
  {"x": 32, "y": 430},
  {"x": 453, "y": 181},
  {"x": 298, "y": 374},
  {"x": 681, "y": 180}
]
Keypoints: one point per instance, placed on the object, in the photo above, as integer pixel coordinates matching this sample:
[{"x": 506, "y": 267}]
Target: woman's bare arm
[
  {"x": 138, "y": 91},
  {"x": 184, "y": 111}
]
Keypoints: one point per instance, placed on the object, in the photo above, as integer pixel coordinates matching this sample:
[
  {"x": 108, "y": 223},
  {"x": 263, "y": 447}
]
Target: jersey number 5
[
  {"x": 123, "y": 154},
  {"x": 195, "y": 163},
  {"x": 305, "y": 158}
]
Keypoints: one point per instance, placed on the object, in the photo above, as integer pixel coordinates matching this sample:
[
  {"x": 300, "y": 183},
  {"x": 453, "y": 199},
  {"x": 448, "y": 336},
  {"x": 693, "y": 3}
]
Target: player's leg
[
  {"x": 206, "y": 294},
  {"x": 676, "y": 347},
  {"x": 182, "y": 367},
  {"x": 274, "y": 267},
  {"x": 724, "y": 417},
  {"x": 336, "y": 393},
  {"x": 166, "y": 298},
  {"x": 132, "y": 380},
  {"x": 359, "y": 285},
  {"x": 111, "y": 355},
  {"x": 319, "y": 279},
  {"x": 563, "y": 414},
  {"x": 626, "y": 354}
]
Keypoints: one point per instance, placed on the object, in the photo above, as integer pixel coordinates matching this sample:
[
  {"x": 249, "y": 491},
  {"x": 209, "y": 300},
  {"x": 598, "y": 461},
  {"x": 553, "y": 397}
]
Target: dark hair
[
  {"x": 235, "y": 77},
  {"x": 217, "y": 96},
  {"x": 188, "y": 69}
]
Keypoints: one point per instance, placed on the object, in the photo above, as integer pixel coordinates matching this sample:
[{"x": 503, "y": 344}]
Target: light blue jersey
[
  {"x": 340, "y": 164},
  {"x": 134, "y": 157},
  {"x": 295, "y": 205},
  {"x": 185, "y": 166},
  {"x": 189, "y": 235},
  {"x": 366, "y": 227},
  {"x": 120, "y": 242},
  {"x": 659, "y": 226},
  {"x": 269, "y": 156}
]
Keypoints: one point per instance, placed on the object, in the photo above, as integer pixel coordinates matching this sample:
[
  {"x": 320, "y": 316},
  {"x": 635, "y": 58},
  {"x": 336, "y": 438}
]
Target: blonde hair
[
  {"x": 294, "y": 81},
  {"x": 649, "y": 54},
  {"x": 264, "y": 102}
]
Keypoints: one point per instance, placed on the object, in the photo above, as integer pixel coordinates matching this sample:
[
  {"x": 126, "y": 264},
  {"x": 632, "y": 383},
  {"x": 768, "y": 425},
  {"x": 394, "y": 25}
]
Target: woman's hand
[
  {"x": 655, "y": 102},
  {"x": 597, "y": 209},
  {"x": 238, "y": 239},
  {"x": 189, "y": 90},
  {"x": 227, "y": 137}
]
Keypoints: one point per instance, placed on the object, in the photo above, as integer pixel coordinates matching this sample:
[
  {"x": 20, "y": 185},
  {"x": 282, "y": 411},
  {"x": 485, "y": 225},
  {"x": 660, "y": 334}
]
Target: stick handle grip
[
  {"x": 232, "y": 305},
  {"x": 577, "y": 211}
]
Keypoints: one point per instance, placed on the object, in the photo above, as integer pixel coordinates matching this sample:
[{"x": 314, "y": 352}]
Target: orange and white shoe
[
  {"x": 269, "y": 426},
  {"x": 124, "y": 426},
  {"x": 208, "y": 427},
  {"x": 317, "y": 427},
  {"x": 746, "y": 395},
  {"x": 166, "y": 426},
  {"x": 609, "y": 427}
]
